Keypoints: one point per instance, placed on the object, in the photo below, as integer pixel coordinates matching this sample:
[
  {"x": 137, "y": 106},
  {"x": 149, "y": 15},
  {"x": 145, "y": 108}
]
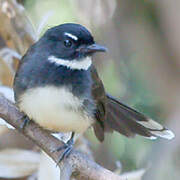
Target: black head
[{"x": 69, "y": 41}]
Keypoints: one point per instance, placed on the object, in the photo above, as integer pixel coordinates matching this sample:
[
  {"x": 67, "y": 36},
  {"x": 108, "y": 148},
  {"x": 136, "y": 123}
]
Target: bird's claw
[
  {"x": 65, "y": 154},
  {"x": 67, "y": 147}
]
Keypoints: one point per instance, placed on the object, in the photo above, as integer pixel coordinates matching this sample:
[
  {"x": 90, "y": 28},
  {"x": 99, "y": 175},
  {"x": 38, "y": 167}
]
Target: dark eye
[{"x": 67, "y": 43}]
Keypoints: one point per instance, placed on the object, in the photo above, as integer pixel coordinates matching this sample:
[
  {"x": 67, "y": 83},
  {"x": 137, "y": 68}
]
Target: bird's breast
[{"x": 55, "y": 109}]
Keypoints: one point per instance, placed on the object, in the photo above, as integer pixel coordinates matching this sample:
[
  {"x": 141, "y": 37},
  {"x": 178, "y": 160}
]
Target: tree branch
[{"x": 78, "y": 164}]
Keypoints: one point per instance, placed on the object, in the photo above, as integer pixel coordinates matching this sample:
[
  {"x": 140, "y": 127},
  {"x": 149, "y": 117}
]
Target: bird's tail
[{"x": 129, "y": 122}]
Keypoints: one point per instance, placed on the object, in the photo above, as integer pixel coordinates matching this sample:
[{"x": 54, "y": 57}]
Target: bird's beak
[
  {"x": 93, "y": 48},
  {"x": 96, "y": 48}
]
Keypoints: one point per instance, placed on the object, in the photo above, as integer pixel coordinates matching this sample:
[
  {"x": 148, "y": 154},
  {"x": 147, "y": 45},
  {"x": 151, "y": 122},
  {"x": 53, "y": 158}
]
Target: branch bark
[{"x": 78, "y": 164}]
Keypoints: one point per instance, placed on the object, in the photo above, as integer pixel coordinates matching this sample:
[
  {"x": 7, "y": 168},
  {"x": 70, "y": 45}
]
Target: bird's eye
[{"x": 67, "y": 43}]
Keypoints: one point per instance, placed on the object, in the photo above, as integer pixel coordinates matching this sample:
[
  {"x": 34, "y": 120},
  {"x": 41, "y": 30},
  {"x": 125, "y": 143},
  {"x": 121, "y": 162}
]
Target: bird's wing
[
  {"x": 111, "y": 115},
  {"x": 100, "y": 98}
]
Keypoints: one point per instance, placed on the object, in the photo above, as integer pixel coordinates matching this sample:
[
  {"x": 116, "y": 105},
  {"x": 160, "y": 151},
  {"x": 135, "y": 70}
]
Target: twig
[{"x": 80, "y": 164}]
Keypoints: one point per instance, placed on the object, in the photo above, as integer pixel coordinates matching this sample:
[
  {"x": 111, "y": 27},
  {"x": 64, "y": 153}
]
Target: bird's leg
[
  {"x": 25, "y": 122},
  {"x": 71, "y": 140},
  {"x": 67, "y": 148}
]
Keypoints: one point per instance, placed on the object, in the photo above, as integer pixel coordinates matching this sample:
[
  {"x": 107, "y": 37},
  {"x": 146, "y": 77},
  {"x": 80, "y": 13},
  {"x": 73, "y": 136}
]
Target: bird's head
[{"x": 71, "y": 45}]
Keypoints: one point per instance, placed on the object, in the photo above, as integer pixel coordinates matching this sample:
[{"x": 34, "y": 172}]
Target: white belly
[{"x": 55, "y": 109}]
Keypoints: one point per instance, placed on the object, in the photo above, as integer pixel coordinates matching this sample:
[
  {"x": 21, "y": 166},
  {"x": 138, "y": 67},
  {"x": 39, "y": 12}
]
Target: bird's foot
[
  {"x": 66, "y": 153},
  {"x": 67, "y": 147},
  {"x": 25, "y": 122}
]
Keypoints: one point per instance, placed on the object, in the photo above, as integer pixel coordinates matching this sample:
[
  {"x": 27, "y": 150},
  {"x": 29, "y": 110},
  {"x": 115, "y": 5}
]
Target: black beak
[{"x": 93, "y": 48}]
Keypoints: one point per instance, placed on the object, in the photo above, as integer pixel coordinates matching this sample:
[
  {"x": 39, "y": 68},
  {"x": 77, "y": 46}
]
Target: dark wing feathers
[
  {"x": 99, "y": 96},
  {"x": 111, "y": 115},
  {"x": 126, "y": 119}
]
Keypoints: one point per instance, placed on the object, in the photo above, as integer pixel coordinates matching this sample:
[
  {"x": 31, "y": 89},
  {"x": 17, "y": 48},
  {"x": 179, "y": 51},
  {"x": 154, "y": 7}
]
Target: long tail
[{"x": 129, "y": 122}]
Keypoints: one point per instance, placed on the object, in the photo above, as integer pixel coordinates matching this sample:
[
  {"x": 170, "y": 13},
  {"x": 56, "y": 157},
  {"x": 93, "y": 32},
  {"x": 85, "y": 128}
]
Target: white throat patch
[{"x": 82, "y": 64}]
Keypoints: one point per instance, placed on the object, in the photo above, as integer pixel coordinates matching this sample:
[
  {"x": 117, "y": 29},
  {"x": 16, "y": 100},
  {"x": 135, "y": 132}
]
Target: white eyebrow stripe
[{"x": 71, "y": 36}]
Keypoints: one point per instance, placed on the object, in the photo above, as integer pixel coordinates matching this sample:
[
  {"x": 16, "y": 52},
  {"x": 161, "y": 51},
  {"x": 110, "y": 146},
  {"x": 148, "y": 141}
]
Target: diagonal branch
[{"x": 78, "y": 163}]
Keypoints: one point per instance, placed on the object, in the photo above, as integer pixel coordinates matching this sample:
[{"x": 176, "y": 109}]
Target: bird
[{"x": 58, "y": 87}]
